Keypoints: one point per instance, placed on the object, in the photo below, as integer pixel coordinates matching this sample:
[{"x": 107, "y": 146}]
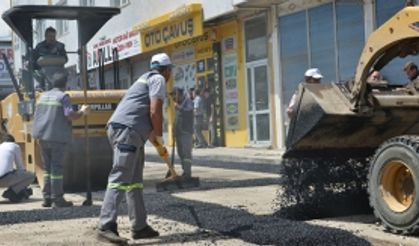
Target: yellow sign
[{"x": 179, "y": 25}]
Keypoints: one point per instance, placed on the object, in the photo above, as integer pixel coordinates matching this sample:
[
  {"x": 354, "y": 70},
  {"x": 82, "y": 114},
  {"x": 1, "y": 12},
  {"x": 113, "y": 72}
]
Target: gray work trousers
[
  {"x": 184, "y": 143},
  {"x": 198, "y": 127},
  {"x": 53, "y": 155},
  {"x": 125, "y": 178},
  {"x": 17, "y": 180}
]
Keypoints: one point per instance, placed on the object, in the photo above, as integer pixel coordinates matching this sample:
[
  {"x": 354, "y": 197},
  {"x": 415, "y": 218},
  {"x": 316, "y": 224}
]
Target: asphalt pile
[{"x": 318, "y": 188}]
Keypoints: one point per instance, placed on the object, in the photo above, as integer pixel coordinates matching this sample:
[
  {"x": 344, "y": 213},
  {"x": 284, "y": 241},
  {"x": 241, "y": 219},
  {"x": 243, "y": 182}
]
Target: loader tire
[{"x": 392, "y": 186}]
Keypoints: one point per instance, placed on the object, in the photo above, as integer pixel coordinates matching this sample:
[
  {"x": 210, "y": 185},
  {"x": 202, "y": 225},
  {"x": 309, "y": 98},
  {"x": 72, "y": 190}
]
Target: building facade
[{"x": 250, "y": 54}]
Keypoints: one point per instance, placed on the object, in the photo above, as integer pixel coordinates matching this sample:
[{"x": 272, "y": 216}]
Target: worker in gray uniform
[
  {"x": 184, "y": 129},
  {"x": 52, "y": 128},
  {"x": 138, "y": 117},
  {"x": 48, "y": 56}
]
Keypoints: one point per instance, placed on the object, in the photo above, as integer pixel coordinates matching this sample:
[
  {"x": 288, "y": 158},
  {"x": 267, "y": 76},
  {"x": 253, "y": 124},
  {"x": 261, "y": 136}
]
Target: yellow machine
[
  {"x": 89, "y": 134},
  {"x": 376, "y": 123},
  {"x": 102, "y": 103}
]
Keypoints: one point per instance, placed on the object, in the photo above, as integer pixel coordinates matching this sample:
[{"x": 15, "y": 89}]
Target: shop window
[
  {"x": 294, "y": 52},
  {"x": 62, "y": 25},
  {"x": 329, "y": 37},
  {"x": 386, "y": 9},
  {"x": 255, "y": 35},
  {"x": 392, "y": 72},
  {"x": 350, "y": 36},
  {"x": 322, "y": 41}
]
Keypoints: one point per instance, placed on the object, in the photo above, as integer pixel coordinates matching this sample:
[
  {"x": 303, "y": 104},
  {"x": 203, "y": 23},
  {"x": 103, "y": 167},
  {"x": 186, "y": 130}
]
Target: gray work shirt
[
  {"x": 134, "y": 109},
  {"x": 50, "y": 122}
]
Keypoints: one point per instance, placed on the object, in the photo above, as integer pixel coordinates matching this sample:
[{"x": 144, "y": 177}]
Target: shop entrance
[{"x": 258, "y": 103}]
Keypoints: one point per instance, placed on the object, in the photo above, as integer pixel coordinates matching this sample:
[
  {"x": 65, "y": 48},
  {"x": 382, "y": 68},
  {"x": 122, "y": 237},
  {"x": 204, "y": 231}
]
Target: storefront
[{"x": 204, "y": 58}]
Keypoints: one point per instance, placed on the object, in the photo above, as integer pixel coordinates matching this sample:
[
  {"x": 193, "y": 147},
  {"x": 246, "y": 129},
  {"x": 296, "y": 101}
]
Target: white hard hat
[
  {"x": 160, "y": 60},
  {"x": 313, "y": 72}
]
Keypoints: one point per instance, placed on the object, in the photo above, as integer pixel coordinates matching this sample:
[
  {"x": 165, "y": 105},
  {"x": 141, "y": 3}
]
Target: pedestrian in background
[
  {"x": 184, "y": 129},
  {"x": 12, "y": 171},
  {"x": 311, "y": 76},
  {"x": 199, "y": 120},
  {"x": 52, "y": 128},
  {"x": 209, "y": 116}
]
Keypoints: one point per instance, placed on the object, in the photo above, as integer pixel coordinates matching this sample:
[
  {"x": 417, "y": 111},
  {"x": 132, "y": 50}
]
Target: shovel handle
[{"x": 164, "y": 155}]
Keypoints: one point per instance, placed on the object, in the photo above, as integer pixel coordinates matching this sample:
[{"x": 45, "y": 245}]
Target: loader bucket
[{"x": 325, "y": 126}]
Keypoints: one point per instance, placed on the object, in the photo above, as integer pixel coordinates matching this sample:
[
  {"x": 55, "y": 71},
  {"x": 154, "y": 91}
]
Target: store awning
[{"x": 183, "y": 23}]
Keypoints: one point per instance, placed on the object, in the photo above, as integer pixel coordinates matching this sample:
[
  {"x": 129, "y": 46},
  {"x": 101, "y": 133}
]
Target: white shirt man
[
  {"x": 12, "y": 172},
  {"x": 10, "y": 154},
  {"x": 312, "y": 76}
]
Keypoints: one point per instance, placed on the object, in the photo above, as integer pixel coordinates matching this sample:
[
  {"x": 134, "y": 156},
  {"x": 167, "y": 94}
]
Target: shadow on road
[{"x": 213, "y": 221}]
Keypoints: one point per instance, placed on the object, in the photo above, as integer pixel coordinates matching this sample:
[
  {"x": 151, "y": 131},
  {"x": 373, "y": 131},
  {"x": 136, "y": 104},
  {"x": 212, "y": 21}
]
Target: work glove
[
  {"x": 159, "y": 145},
  {"x": 85, "y": 109},
  {"x": 163, "y": 153},
  {"x": 159, "y": 140}
]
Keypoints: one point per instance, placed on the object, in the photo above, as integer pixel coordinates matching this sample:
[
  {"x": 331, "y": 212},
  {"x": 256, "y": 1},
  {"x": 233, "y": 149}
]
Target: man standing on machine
[{"x": 48, "y": 57}]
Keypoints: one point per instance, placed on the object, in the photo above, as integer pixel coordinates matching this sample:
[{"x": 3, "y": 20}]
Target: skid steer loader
[
  {"x": 377, "y": 126},
  {"x": 16, "y": 110}
]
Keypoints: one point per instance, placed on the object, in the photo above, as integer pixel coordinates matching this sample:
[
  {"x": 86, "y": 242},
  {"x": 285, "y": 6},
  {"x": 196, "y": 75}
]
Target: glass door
[{"x": 258, "y": 103}]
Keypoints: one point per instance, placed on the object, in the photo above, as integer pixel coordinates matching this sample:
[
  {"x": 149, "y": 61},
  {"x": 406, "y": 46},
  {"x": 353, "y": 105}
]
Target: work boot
[
  {"x": 7, "y": 193},
  {"x": 25, "y": 193},
  {"x": 47, "y": 203},
  {"x": 28, "y": 192},
  {"x": 146, "y": 232},
  {"x": 111, "y": 235},
  {"x": 12, "y": 196},
  {"x": 60, "y": 202}
]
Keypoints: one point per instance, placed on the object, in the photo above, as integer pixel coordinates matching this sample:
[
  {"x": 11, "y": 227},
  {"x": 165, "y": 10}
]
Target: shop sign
[
  {"x": 229, "y": 44},
  {"x": 127, "y": 43},
  {"x": 218, "y": 94},
  {"x": 4, "y": 74},
  {"x": 182, "y": 24},
  {"x": 231, "y": 91},
  {"x": 183, "y": 56}
]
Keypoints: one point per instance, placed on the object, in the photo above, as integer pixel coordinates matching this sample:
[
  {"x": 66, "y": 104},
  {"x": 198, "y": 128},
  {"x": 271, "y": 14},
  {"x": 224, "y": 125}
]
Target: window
[
  {"x": 392, "y": 72},
  {"x": 62, "y": 25},
  {"x": 294, "y": 50},
  {"x": 329, "y": 37},
  {"x": 322, "y": 41},
  {"x": 350, "y": 36},
  {"x": 87, "y": 2},
  {"x": 255, "y": 35},
  {"x": 119, "y": 3}
]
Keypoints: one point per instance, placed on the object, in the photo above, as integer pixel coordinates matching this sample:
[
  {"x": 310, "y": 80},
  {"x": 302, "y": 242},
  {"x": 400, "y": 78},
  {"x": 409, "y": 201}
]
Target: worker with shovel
[
  {"x": 138, "y": 117},
  {"x": 184, "y": 129}
]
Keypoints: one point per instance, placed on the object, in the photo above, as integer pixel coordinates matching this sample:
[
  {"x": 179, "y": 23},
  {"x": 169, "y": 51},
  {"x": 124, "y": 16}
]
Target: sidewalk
[{"x": 228, "y": 154}]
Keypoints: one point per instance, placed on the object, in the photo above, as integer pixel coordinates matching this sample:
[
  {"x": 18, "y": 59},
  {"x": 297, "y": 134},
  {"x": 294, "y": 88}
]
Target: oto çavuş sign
[{"x": 171, "y": 28}]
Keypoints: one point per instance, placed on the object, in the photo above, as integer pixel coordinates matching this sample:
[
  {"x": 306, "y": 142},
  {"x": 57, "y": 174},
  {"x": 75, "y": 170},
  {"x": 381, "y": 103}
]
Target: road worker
[
  {"x": 138, "y": 117},
  {"x": 52, "y": 127},
  {"x": 184, "y": 129},
  {"x": 15, "y": 179}
]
